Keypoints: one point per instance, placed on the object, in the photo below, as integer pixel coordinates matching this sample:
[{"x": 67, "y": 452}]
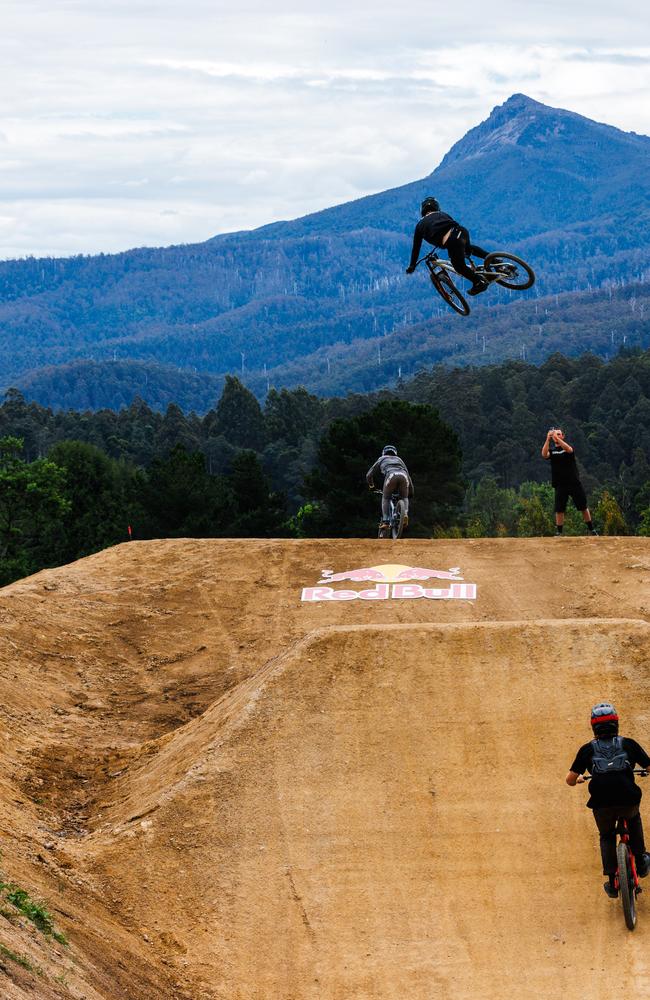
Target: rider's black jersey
[
  {"x": 564, "y": 470},
  {"x": 432, "y": 228},
  {"x": 610, "y": 790},
  {"x": 384, "y": 466}
]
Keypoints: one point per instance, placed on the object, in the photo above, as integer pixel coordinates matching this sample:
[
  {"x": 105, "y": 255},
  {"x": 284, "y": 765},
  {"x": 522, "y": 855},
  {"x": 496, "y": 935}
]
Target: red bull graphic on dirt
[{"x": 391, "y": 583}]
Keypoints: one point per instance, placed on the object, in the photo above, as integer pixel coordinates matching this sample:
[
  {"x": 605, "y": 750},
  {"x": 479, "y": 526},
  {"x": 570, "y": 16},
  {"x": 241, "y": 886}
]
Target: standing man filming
[{"x": 565, "y": 479}]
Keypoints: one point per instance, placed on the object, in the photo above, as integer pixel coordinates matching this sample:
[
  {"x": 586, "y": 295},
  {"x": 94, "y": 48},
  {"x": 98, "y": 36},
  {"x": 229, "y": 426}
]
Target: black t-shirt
[
  {"x": 432, "y": 227},
  {"x": 564, "y": 469},
  {"x": 619, "y": 788}
]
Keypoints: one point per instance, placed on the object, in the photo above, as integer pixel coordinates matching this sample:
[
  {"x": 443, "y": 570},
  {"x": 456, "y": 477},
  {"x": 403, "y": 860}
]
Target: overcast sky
[{"x": 157, "y": 121}]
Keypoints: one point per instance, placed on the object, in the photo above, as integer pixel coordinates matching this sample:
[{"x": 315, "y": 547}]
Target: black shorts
[{"x": 573, "y": 490}]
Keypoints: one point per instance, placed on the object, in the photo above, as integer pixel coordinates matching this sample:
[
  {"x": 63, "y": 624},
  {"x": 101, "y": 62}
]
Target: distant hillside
[
  {"x": 568, "y": 193},
  {"x": 98, "y": 385},
  {"x": 570, "y": 323}
]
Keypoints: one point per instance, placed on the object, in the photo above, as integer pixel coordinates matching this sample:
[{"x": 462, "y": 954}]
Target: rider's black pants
[
  {"x": 395, "y": 482},
  {"x": 458, "y": 246},
  {"x": 606, "y": 823}
]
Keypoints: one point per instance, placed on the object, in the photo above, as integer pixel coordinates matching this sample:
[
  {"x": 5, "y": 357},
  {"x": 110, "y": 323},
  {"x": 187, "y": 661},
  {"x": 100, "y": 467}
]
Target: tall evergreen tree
[
  {"x": 100, "y": 506},
  {"x": 31, "y": 495},
  {"x": 239, "y": 417},
  {"x": 348, "y": 448},
  {"x": 255, "y": 510}
]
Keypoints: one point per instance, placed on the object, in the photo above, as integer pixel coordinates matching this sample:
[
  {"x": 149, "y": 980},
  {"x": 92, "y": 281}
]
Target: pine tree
[
  {"x": 349, "y": 447},
  {"x": 239, "y": 416}
]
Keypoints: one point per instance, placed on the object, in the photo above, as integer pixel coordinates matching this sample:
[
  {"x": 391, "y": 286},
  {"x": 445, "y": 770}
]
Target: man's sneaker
[
  {"x": 593, "y": 533},
  {"x": 643, "y": 865},
  {"x": 610, "y": 890},
  {"x": 558, "y": 534},
  {"x": 478, "y": 287}
]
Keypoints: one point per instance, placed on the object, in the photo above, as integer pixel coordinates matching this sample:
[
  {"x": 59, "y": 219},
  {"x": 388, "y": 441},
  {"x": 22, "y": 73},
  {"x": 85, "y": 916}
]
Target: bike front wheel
[
  {"x": 447, "y": 289},
  {"x": 517, "y": 274},
  {"x": 399, "y": 521},
  {"x": 626, "y": 886}
]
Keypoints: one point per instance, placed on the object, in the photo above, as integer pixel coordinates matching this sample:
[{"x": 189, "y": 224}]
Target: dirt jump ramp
[{"x": 278, "y": 799}]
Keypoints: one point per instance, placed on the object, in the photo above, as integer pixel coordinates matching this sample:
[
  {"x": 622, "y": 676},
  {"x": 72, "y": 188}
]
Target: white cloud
[{"x": 152, "y": 122}]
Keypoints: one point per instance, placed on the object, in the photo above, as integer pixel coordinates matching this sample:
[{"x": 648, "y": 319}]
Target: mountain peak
[
  {"x": 520, "y": 102},
  {"x": 509, "y": 124},
  {"x": 520, "y": 121}
]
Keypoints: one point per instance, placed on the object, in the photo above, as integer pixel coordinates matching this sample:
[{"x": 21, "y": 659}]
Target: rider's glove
[{"x": 410, "y": 269}]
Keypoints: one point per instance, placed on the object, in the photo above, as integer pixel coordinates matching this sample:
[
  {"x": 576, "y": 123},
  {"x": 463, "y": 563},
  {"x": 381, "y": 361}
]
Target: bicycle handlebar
[
  {"x": 431, "y": 253},
  {"x": 588, "y": 777}
]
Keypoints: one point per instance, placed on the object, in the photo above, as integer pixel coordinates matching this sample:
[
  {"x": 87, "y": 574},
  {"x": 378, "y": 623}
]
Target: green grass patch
[
  {"x": 18, "y": 959},
  {"x": 34, "y": 910}
]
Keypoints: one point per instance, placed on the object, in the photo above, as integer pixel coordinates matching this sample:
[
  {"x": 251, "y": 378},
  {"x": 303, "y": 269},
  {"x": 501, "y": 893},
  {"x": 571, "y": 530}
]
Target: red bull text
[{"x": 389, "y": 584}]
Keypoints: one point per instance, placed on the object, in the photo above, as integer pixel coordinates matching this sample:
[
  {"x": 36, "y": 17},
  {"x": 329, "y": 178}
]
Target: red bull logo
[{"x": 390, "y": 582}]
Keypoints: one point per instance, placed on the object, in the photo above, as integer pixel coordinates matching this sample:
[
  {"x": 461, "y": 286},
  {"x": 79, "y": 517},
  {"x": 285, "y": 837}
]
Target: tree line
[{"x": 74, "y": 482}]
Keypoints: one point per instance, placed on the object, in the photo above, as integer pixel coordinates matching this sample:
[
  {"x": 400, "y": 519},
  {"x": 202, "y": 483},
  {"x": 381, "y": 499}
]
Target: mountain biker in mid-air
[
  {"x": 396, "y": 480},
  {"x": 440, "y": 230},
  {"x": 614, "y": 793}
]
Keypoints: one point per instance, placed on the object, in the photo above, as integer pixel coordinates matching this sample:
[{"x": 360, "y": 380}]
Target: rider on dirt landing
[
  {"x": 396, "y": 480},
  {"x": 440, "y": 230},
  {"x": 610, "y": 759}
]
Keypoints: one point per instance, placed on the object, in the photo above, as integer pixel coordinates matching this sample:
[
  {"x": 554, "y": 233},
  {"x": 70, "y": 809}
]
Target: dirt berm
[{"x": 224, "y": 792}]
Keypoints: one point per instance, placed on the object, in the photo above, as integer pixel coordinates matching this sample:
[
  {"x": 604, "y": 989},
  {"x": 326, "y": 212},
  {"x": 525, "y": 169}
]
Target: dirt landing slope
[
  {"x": 224, "y": 792},
  {"x": 382, "y": 816}
]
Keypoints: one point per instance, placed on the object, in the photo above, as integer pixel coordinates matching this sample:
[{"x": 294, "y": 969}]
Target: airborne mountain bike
[
  {"x": 397, "y": 519},
  {"x": 627, "y": 879},
  {"x": 503, "y": 268}
]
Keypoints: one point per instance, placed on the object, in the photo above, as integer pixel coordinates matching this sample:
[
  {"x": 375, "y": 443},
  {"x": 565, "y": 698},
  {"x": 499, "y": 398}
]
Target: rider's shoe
[
  {"x": 384, "y": 525},
  {"x": 405, "y": 521},
  {"x": 478, "y": 287},
  {"x": 643, "y": 865},
  {"x": 611, "y": 890}
]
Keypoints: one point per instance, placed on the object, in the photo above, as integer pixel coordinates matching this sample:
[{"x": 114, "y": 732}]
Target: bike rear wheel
[
  {"x": 517, "y": 274},
  {"x": 626, "y": 886},
  {"x": 399, "y": 521},
  {"x": 447, "y": 289}
]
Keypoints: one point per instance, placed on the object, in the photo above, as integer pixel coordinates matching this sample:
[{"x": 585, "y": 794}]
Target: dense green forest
[{"x": 74, "y": 481}]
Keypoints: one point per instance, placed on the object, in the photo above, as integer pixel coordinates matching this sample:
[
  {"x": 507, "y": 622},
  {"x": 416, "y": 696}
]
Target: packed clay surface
[{"x": 224, "y": 792}]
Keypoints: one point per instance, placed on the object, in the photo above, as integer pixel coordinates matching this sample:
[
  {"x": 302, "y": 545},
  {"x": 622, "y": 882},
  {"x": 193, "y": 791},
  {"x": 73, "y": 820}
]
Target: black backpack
[{"x": 609, "y": 757}]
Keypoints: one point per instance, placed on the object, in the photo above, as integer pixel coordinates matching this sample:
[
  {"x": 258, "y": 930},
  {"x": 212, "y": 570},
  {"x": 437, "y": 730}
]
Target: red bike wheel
[{"x": 447, "y": 289}]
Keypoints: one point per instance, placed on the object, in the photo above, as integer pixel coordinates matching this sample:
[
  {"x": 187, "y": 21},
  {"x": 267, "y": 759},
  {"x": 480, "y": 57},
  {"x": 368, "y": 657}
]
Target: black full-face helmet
[
  {"x": 604, "y": 719},
  {"x": 389, "y": 449},
  {"x": 429, "y": 205}
]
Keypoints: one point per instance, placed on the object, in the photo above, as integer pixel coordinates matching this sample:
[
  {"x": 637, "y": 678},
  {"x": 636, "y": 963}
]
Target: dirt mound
[{"x": 223, "y": 791}]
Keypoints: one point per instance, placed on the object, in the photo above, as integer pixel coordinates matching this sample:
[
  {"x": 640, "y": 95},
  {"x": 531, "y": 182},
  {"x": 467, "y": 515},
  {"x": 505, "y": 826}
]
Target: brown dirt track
[{"x": 222, "y": 792}]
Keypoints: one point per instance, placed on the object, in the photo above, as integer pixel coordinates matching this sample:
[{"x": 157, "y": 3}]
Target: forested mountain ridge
[
  {"x": 568, "y": 193},
  {"x": 599, "y": 321}
]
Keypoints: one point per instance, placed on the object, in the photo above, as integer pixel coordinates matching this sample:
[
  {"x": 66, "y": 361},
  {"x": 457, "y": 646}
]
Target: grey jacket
[{"x": 384, "y": 466}]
